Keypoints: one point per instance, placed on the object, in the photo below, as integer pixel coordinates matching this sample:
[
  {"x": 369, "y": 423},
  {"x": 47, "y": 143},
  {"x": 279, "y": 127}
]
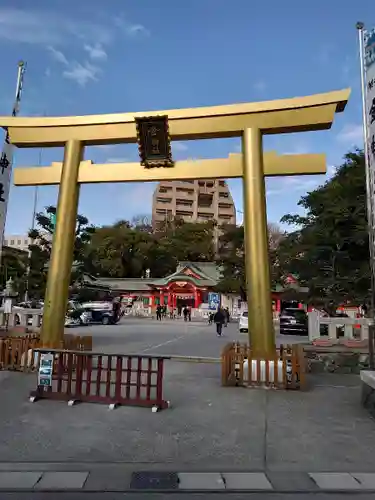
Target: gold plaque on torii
[{"x": 154, "y": 143}]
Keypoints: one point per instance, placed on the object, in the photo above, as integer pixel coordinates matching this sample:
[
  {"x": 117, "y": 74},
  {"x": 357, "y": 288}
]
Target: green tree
[
  {"x": 40, "y": 249},
  {"x": 188, "y": 241},
  {"x": 232, "y": 257},
  {"x": 14, "y": 264},
  {"x": 329, "y": 252},
  {"x": 119, "y": 251}
]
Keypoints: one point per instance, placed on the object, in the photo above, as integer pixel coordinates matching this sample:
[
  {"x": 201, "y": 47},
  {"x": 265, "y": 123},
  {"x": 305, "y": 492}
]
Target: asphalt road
[{"x": 169, "y": 337}]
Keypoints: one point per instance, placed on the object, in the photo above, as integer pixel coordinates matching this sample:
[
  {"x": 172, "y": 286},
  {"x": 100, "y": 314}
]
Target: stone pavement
[
  {"x": 122, "y": 478},
  {"x": 284, "y": 439}
]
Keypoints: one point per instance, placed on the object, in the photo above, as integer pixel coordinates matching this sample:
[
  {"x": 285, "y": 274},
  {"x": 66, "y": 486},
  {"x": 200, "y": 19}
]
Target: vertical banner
[
  {"x": 369, "y": 119},
  {"x": 369, "y": 57},
  {"x": 213, "y": 301},
  {"x": 6, "y": 158}
]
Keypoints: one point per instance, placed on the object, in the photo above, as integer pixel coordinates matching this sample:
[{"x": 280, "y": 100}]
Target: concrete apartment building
[
  {"x": 197, "y": 200},
  {"x": 19, "y": 241}
]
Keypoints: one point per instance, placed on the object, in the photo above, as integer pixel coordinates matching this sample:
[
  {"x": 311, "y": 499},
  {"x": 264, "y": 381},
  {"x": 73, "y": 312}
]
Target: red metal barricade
[{"x": 114, "y": 379}]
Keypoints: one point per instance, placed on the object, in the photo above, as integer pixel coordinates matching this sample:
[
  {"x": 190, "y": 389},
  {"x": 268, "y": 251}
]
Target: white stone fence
[
  {"x": 21, "y": 317},
  {"x": 354, "y": 328}
]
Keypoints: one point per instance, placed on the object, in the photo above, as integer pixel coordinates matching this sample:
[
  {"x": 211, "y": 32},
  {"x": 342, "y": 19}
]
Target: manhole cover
[{"x": 153, "y": 480}]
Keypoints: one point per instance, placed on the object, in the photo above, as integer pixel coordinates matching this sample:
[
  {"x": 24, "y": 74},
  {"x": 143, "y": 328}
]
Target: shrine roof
[{"x": 199, "y": 273}]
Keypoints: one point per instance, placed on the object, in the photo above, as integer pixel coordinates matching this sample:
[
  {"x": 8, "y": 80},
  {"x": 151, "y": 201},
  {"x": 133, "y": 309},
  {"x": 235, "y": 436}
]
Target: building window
[
  {"x": 19, "y": 242},
  {"x": 183, "y": 213},
  {"x": 186, "y": 203},
  {"x": 204, "y": 216},
  {"x": 164, "y": 189},
  {"x": 6, "y": 243},
  {"x": 163, "y": 212},
  {"x": 222, "y": 183},
  {"x": 223, "y": 195},
  {"x": 26, "y": 242},
  {"x": 12, "y": 242},
  {"x": 163, "y": 200},
  {"x": 185, "y": 190}
]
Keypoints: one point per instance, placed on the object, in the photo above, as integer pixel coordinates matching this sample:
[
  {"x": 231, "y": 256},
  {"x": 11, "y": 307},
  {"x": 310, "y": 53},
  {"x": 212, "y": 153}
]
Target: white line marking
[{"x": 163, "y": 343}]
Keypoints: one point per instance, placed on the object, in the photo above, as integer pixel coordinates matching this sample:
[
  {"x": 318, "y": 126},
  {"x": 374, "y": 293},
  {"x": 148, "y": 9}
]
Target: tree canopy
[{"x": 330, "y": 250}]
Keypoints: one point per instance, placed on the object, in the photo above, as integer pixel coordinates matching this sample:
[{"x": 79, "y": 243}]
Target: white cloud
[
  {"x": 57, "y": 55},
  {"x": 81, "y": 73},
  {"x": 96, "y": 51},
  {"x": 137, "y": 29},
  {"x": 133, "y": 30},
  {"x": 352, "y": 134},
  {"x": 293, "y": 184},
  {"x": 49, "y": 27},
  {"x": 179, "y": 146}
]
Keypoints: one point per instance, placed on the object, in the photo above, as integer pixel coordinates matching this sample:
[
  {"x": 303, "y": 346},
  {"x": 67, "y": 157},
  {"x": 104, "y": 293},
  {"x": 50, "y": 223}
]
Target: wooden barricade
[
  {"x": 14, "y": 352},
  {"x": 17, "y": 353},
  {"x": 77, "y": 343},
  {"x": 134, "y": 380},
  {"x": 285, "y": 370}
]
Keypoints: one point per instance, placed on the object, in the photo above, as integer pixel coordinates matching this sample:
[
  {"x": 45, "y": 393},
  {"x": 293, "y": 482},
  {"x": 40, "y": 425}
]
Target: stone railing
[
  {"x": 26, "y": 318},
  {"x": 353, "y": 328}
]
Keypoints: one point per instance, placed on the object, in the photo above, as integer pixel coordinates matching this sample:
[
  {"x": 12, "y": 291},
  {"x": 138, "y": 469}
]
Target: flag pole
[
  {"x": 369, "y": 186},
  {"x": 6, "y": 159}
]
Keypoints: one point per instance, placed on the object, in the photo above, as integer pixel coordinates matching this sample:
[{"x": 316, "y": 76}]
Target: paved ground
[
  {"x": 285, "y": 435},
  {"x": 179, "y": 496}
]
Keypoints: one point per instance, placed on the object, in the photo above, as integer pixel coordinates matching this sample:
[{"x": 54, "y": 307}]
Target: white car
[{"x": 244, "y": 322}]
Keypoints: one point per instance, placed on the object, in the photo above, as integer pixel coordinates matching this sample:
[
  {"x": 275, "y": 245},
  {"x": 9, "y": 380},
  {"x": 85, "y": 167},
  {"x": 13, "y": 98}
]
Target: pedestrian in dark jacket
[
  {"x": 219, "y": 320},
  {"x": 158, "y": 312},
  {"x": 227, "y": 316}
]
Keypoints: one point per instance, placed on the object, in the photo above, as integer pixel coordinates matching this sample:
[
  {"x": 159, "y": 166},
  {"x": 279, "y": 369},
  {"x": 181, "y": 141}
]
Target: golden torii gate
[{"x": 249, "y": 121}]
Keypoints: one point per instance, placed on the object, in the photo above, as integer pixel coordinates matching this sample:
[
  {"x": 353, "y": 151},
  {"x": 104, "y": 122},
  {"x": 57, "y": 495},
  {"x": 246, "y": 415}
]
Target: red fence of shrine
[{"x": 135, "y": 380}]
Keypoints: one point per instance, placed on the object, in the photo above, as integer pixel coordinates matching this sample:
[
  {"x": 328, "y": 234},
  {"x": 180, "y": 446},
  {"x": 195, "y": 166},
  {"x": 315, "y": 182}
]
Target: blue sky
[{"x": 90, "y": 56}]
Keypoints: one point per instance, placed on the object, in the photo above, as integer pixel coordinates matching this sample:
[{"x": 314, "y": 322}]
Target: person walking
[
  {"x": 219, "y": 320},
  {"x": 116, "y": 309},
  {"x": 185, "y": 313},
  {"x": 227, "y": 316},
  {"x": 158, "y": 313}
]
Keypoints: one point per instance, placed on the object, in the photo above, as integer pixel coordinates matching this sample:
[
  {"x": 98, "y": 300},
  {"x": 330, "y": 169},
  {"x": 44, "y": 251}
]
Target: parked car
[
  {"x": 293, "y": 321},
  {"x": 103, "y": 316},
  {"x": 244, "y": 322}
]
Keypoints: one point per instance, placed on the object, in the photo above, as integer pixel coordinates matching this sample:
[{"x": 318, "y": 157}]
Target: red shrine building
[{"x": 189, "y": 285}]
